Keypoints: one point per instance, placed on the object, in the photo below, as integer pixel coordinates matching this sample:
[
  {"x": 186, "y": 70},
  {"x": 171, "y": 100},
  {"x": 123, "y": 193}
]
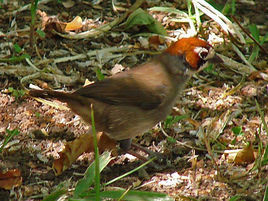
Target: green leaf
[
  {"x": 11, "y": 134},
  {"x": 265, "y": 197},
  {"x": 133, "y": 196},
  {"x": 254, "y": 54},
  {"x": 157, "y": 28},
  {"x": 14, "y": 59},
  {"x": 89, "y": 176},
  {"x": 169, "y": 10},
  {"x": 264, "y": 38},
  {"x": 141, "y": 17},
  {"x": 37, "y": 114},
  {"x": 235, "y": 198},
  {"x": 180, "y": 117},
  {"x": 265, "y": 157},
  {"x": 233, "y": 142},
  {"x": 41, "y": 33},
  {"x": 172, "y": 140},
  {"x": 17, "y": 48},
  {"x": 61, "y": 189},
  {"x": 99, "y": 74},
  {"x": 209, "y": 69},
  {"x": 237, "y": 130},
  {"x": 33, "y": 11},
  {"x": 233, "y": 7},
  {"x": 254, "y": 32},
  {"x": 228, "y": 8},
  {"x": 17, "y": 93},
  {"x": 129, "y": 172},
  {"x": 170, "y": 120}
]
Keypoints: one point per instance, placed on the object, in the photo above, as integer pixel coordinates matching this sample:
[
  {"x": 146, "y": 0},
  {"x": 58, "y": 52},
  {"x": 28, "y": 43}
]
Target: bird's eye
[{"x": 203, "y": 54}]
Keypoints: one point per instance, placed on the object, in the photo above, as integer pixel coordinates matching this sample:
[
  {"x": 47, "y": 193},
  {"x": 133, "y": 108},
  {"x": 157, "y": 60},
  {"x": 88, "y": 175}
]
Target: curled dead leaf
[
  {"x": 240, "y": 156},
  {"x": 10, "y": 179},
  {"x": 75, "y": 24},
  {"x": 75, "y": 148},
  {"x": 245, "y": 156}
]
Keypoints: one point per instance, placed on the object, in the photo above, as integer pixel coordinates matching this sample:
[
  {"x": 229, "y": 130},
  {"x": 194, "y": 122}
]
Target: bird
[{"x": 131, "y": 102}]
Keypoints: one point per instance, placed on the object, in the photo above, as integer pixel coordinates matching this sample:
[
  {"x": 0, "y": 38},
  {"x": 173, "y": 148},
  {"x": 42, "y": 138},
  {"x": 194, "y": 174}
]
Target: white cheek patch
[
  {"x": 199, "y": 50},
  {"x": 207, "y": 53}
]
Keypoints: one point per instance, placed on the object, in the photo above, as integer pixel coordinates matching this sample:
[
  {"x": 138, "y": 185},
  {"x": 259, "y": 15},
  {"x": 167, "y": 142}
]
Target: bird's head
[{"x": 196, "y": 52}]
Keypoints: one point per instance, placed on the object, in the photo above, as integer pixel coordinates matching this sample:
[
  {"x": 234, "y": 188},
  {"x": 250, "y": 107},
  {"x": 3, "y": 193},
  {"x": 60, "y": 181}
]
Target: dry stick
[
  {"x": 32, "y": 38},
  {"x": 178, "y": 142},
  {"x": 91, "y": 53},
  {"x": 103, "y": 28},
  {"x": 218, "y": 17},
  {"x": 236, "y": 66},
  {"x": 187, "y": 145},
  {"x": 242, "y": 56},
  {"x": 207, "y": 144},
  {"x": 249, "y": 35},
  {"x": 27, "y": 7}
]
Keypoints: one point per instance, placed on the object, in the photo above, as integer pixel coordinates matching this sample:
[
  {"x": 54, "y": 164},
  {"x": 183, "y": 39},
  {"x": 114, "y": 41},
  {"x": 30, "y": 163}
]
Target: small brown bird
[{"x": 130, "y": 103}]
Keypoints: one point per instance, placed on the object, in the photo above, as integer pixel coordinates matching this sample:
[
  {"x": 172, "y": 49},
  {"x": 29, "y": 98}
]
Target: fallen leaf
[
  {"x": 75, "y": 24},
  {"x": 10, "y": 179},
  {"x": 245, "y": 156},
  {"x": 83, "y": 144}
]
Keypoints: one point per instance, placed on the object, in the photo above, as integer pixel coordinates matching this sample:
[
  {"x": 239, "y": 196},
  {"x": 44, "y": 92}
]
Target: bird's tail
[{"x": 61, "y": 96}]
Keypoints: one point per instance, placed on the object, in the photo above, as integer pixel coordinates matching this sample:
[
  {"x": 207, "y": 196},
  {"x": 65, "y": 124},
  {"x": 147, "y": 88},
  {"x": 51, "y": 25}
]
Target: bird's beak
[{"x": 215, "y": 59}]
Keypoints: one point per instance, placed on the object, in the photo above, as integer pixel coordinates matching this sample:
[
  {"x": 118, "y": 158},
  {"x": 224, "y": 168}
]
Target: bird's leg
[
  {"x": 127, "y": 144},
  {"x": 149, "y": 152}
]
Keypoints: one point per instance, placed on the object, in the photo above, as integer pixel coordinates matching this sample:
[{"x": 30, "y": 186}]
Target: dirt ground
[{"x": 211, "y": 99}]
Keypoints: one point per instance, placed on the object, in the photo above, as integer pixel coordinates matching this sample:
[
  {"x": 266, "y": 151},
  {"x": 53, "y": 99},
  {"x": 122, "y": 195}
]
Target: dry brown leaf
[
  {"x": 50, "y": 23},
  {"x": 240, "y": 156},
  {"x": 10, "y": 179},
  {"x": 75, "y": 24},
  {"x": 83, "y": 144},
  {"x": 155, "y": 41},
  {"x": 195, "y": 123},
  {"x": 245, "y": 156}
]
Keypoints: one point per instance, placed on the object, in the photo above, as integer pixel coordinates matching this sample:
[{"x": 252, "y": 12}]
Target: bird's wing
[{"x": 123, "y": 91}]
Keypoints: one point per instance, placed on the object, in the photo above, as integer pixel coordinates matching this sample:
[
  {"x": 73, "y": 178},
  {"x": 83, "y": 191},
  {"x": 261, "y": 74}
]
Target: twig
[
  {"x": 52, "y": 77},
  {"x": 210, "y": 153},
  {"x": 178, "y": 142},
  {"x": 262, "y": 117},
  {"x": 235, "y": 89},
  {"x": 236, "y": 66},
  {"x": 240, "y": 54},
  {"x": 103, "y": 28},
  {"x": 32, "y": 65},
  {"x": 249, "y": 35},
  {"x": 92, "y": 53},
  {"x": 218, "y": 17},
  {"x": 27, "y": 7}
]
